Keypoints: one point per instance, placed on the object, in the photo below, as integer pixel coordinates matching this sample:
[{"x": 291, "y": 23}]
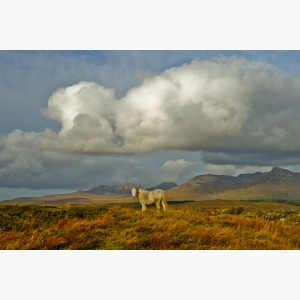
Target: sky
[
  {"x": 115, "y": 94},
  {"x": 70, "y": 120}
]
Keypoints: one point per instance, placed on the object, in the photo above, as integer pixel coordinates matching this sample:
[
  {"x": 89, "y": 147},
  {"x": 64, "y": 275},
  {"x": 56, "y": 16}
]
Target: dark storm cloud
[
  {"x": 72, "y": 172},
  {"x": 255, "y": 159}
]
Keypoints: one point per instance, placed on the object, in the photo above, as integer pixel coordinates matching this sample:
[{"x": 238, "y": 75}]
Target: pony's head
[{"x": 135, "y": 191}]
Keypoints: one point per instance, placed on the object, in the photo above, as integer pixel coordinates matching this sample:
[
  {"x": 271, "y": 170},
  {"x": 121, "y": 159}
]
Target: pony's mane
[{"x": 140, "y": 189}]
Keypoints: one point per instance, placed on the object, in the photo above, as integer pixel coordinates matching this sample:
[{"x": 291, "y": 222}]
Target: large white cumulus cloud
[
  {"x": 224, "y": 107},
  {"x": 220, "y": 105}
]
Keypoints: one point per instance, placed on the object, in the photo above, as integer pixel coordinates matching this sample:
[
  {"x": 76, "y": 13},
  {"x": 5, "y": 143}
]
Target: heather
[{"x": 185, "y": 226}]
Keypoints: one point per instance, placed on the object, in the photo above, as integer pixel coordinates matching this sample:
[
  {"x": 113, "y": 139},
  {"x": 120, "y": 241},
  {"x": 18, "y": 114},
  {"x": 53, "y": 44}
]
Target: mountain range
[
  {"x": 278, "y": 184},
  {"x": 124, "y": 189},
  {"x": 274, "y": 185}
]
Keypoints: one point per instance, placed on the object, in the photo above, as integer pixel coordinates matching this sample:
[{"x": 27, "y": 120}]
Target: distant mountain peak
[
  {"x": 163, "y": 186},
  {"x": 279, "y": 170},
  {"x": 125, "y": 185},
  {"x": 249, "y": 175}
]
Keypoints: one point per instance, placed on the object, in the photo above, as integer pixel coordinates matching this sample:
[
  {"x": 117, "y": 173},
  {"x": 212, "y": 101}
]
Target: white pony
[{"x": 157, "y": 196}]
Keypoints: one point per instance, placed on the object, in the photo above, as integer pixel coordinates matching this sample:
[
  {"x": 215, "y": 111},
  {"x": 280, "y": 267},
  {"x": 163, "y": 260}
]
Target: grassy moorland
[{"x": 223, "y": 225}]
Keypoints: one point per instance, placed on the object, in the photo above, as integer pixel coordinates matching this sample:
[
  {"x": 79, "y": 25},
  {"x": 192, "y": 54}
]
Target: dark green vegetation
[
  {"x": 186, "y": 225},
  {"x": 292, "y": 202}
]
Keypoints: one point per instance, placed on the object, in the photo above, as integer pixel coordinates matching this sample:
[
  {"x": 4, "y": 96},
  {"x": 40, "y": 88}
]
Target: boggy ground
[{"x": 186, "y": 225}]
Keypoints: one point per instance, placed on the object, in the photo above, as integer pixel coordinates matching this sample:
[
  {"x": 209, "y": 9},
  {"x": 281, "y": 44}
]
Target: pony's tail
[{"x": 164, "y": 202}]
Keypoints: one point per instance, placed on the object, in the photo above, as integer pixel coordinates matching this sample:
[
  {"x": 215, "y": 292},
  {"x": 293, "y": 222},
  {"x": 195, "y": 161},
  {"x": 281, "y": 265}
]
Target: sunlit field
[{"x": 240, "y": 225}]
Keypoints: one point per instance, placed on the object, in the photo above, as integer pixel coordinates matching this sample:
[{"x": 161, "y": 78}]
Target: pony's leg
[
  {"x": 164, "y": 204},
  {"x": 157, "y": 205},
  {"x": 143, "y": 205}
]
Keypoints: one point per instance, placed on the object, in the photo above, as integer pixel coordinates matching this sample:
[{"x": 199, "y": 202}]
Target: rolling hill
[
  {"x": 122, "y": 189},
  {"x": 120, "y": 193}
]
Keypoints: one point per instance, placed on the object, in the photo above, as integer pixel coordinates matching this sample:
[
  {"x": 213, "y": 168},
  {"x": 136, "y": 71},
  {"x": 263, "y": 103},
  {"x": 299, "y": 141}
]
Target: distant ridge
[
  {"x": 249, "y": 175},
  {"x": 119, "y": 189},
  {"x": 124, "y": 189},
  {"x": 163, "y": 186},
  {"x": 276, "y": 184}
]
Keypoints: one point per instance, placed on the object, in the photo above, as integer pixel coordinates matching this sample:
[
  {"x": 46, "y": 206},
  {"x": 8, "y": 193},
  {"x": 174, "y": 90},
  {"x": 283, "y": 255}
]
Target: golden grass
[{"x": 121, "y": 227}]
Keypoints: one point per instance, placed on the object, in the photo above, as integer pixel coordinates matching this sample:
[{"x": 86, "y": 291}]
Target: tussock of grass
[{"x": 121, "y": 227}]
